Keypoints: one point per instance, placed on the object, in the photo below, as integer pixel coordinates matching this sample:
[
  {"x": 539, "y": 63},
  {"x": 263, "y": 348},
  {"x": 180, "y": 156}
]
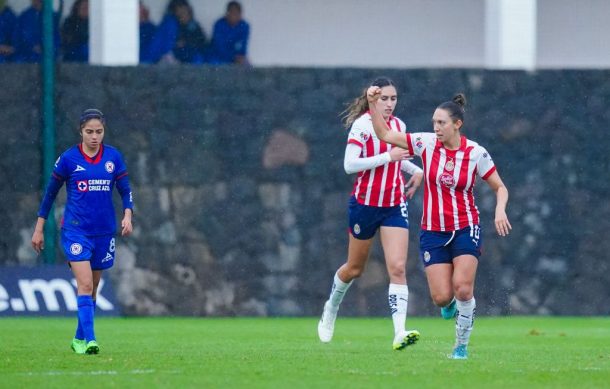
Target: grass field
[{"x": 280, "y": 353}]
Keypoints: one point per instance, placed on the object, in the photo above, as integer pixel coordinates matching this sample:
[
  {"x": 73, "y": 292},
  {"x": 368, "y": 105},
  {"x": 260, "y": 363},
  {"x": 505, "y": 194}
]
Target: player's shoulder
[
  {"x": 364, "y": 121},
  {"x": 111, "y": 150},
  {"x": 475, "y": 146},
  {"x": 401, "y": 123}
]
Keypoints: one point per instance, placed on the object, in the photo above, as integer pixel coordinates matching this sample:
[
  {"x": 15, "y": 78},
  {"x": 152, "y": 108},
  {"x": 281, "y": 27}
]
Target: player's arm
[
  {"x": 381, "y": 127},
  {"x": 354, "y": 163},
  {"x": 122, "y": 185},
  {"x": 53, "y": 188},
  {"x": 417, "y": 174},
  {"x": 503, "y": 226}
]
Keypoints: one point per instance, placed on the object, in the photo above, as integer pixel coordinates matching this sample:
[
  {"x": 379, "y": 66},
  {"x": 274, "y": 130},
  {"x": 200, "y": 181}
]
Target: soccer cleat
[
  {"x": 459, "y": 352},
  {"x": 326, "y": 326},
  {"x": 404, "y": 339},
  {"x": 92, "y": 347},
  {"x": 449, "y": 311},
  {"x": 78, "y": 346}
]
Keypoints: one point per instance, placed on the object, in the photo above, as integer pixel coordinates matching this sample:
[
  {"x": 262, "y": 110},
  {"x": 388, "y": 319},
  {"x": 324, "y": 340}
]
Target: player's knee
[
  {"x": 85, "y": 288},
  {"x": 441, "y": 299},
  {"x": 397, "y": 271},
  {"x": 463, "y": 290}
]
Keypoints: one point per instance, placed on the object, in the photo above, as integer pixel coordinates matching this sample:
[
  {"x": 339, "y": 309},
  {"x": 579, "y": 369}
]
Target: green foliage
[{"x": 285, "y": 353}]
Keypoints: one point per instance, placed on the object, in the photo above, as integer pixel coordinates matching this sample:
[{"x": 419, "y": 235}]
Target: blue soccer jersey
[{"x": 89, "y": 184}]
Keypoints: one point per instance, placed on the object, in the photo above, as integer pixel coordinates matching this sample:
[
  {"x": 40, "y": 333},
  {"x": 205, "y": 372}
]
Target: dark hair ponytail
[
  {"x": 455, "y": 107},
  {"x": 360, "y": 104}
]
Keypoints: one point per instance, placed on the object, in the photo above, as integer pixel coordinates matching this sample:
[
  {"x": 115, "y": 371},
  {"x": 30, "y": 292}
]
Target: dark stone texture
[{"x": 218, "y": 234}]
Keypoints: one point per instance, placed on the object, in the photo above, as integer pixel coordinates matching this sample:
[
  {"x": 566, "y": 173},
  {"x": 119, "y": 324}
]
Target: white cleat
[
  {"x": 404, "y": 339},
  {"x": 326, "y": 326}
]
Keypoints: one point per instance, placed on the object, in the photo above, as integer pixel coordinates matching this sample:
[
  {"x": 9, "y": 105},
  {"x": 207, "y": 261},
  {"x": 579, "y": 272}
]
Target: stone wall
[{"x": 241, "y": 195}]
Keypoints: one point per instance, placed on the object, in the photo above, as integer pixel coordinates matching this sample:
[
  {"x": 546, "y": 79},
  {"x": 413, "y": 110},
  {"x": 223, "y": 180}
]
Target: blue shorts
[
  {"x": 98, "y": 249},
  {"x": 365, "y": 220},
  {"x": 442, "y": 247}
]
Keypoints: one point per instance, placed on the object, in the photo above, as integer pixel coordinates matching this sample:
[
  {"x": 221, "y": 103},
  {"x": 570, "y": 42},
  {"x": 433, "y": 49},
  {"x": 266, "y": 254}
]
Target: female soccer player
[
  {"x": 378, "y": 202},
  {"x": 90, "y": 170},
  {"x": 450, "y": 240}
]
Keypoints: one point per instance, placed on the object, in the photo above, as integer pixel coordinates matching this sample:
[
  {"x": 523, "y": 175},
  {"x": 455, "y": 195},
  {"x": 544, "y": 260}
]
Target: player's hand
[
  {"x": 373, "y": 94},
  {"x": 38, "y": 240},
  {"x": 503, "y": 226},
  {"x": 412, "y": 185},
  {"x": 399, "y": 154},
  {"x": 126, "y": 226}
]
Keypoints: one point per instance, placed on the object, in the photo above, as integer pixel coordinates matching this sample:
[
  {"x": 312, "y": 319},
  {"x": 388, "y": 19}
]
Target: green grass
[{"x": 285, "y": 353}]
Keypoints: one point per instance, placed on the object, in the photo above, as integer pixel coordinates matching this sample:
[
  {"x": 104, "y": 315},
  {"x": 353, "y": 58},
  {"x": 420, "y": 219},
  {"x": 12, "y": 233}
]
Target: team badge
[
  {"x": 356, "y": 229},
  {"x": 82, "y": 186},
  {"x": 426, "y": 256},
  {"x": 450, "y": 165},
  {"x": 76, "y": 248},
  {"x": 447, "y": 179},
  {"x": 109, "y": 166},
  {"x": 418, "y": 142},
  {"x": 364, "y": 136}
]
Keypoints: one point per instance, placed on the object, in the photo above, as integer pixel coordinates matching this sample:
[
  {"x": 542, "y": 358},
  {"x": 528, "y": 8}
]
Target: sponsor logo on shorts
[
  {"x": 356, "y": 229},
  {"x": 76, "y": 248},
  {"x": 109, "y": 166},
  {"x": 426, "y": 256},
  {"x": 107, "y": 258}
]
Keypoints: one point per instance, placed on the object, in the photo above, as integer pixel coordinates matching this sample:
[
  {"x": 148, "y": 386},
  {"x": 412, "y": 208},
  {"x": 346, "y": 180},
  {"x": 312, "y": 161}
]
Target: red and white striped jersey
[
  {"x": 382, "y": 186},
  {"x": 449, "y": 178}
]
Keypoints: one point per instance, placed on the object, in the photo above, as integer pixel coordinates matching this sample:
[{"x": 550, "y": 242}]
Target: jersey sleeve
[
  {"x": 416, "y": 142},
  {"x": 485, "y": 165},
  {"x": 61, "y": 171},
  {"x": 122, "y": 182},
  {"x": 358, "y": 135}
]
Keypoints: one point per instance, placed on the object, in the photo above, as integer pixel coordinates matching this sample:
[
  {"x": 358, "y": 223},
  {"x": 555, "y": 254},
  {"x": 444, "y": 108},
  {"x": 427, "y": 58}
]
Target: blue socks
[
  {"x": 86, "y": 307},
  {"x": 80, "y": 334}
]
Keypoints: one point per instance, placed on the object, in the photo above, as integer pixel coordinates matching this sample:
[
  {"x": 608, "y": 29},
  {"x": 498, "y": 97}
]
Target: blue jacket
[
  {"x": 228, "y": 42},
  {"x": 8, "y": 21},
  {"x": 28, "y": 35}
]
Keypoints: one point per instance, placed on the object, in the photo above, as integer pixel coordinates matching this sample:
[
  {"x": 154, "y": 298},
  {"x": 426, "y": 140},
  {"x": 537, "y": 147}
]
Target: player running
[
  {"x": 451, "y": 238},
  {"x": 378, "y": 202},
  {"x": 90, "y": 170}
]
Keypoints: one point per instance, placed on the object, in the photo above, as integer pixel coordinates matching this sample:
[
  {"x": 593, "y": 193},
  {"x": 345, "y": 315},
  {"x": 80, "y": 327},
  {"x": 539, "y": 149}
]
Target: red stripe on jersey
[
  {"x": 409, "y": 145},
  {"x": 448, "y": 219},
  {"x": 489, "y": 173},
  {"x": 354, "y": 141},
  {"x": 436, "y": 155},
  {"x": 459, "y": 191}
]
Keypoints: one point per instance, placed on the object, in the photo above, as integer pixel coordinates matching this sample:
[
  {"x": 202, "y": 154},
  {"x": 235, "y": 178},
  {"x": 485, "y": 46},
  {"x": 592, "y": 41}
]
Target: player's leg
[
  {"x": 78, "y": 249},
  {"x": 84, "y": 281},
  {"x": 358, "y": 252},
  {"x": 435, "y": 253},
  {"x": 395, "y": 243},
  {"x": 464, "y": 273},
  {"x": 363, "y": 224}
]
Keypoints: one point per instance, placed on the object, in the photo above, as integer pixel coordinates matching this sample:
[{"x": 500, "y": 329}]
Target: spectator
[
  {"x": 230, "y": 37},
  {"x": 8, "y": 21},
  {"x": 28, "y": 33},
  {"x": 75, "y": 33},
  {"x": 179, "y": 37},
  {"x": 147, "y": 32}
]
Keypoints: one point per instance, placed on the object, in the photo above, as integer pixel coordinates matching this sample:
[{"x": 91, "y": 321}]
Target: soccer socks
[
  {"x": 464, "y": 321},
  {"x": 338, "y": 292},
  {"x": 80, "y": 334},
  {"x": 398, "y": 299},
  {"x": 85, "y": 316}
]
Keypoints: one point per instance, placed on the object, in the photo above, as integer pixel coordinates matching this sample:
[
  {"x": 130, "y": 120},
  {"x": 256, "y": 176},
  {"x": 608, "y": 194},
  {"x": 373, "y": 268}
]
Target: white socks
[
  {"x": 464, "y": 320},
  {"x": 398, "y": 299},
  {"x": 338, "y": 292}
]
